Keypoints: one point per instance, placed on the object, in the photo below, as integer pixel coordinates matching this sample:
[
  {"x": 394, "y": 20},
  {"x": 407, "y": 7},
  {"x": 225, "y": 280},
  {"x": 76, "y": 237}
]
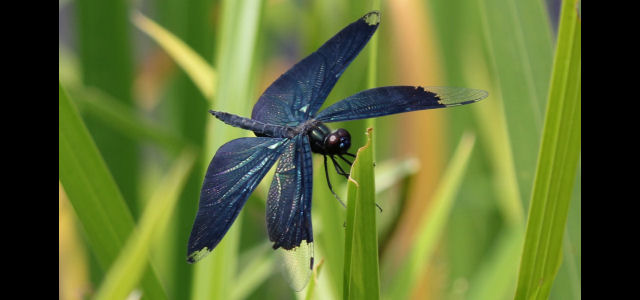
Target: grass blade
[
  {"x": 106, "y": 58},
  {"x": 73, "y": 262},
  {"x": 260, "y": 265},
  {"x": 392, "y": 176},
  {"x": 493, "y": 128},
  {"x": 329, "y": 217},
  {"x": 361, "y": 276},
  {"x": 495, "y": 278},
  {"x": 312, "y": 284},
  {"x": 198, "y": 69},
  {"x": 215, "y": 275},
  {"x": 121, "y": 117},
  {"x": 557, "y": 165},
  {"x": 94, "y": 194},
  {"x": 432, "y": 225},
  {"x": 519, "y": 39},
  {"x": 125, "y": 273},
  {"x": 184, "y": 106}
]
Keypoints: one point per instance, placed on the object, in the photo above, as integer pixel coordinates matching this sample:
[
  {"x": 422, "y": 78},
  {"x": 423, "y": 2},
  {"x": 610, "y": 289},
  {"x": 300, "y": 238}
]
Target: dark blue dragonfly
[{"x": 289, "y": 127}]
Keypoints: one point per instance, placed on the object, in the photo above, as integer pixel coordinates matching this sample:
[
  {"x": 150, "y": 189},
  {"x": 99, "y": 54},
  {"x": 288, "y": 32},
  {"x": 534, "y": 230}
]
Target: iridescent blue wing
[
  {"x": 300, "y": 92},
  {"x": 234, "y": 172},
  {"x": 289, "y": 212},
  {"x": 289, "y": 202},
  {"x": 389, "y": 100}
]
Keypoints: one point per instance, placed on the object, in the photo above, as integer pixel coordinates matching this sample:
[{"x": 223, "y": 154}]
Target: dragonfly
[{"x": 289, "y": 127}]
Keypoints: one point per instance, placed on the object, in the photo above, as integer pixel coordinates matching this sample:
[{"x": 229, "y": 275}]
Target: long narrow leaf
[
  {"x": 260, "y": 264},
  {"x": 106, "y": 59},
  {"x": 391, "y": 172},
  {"x": 215, "y": 275},
  {"x": 492, "y": 126},
  {"x": 94, "y": 194},
  {"x": 396, "y": 175},
  {"x": 432, "y": 225},
  {"x": 361, "y": 275},
  {"x": 198, "y": 69},
  {"x": 495, "y": 278},
  {"x": 184, "y": 105},
  {"x": 121, "y": 117},
  {"x": 312, "y": 284},
  {"x": 518, "y": 37},
  {"x": 557, "y": 165},
  {"x": 128, "y": 268}
]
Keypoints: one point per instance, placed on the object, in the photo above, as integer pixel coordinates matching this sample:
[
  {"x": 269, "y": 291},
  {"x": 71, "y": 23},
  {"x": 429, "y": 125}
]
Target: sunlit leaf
[
  {"x": 557, "y": 165},
  {"x": 124, "y": 119},
  {"x": 126, "y": 271},
  {"x": 93, "y": 193},
  {"x": 432, "y": 225},
  {"x": 361, "y": 275},
  {"x": 198, "y": 69},
  {"x": 214, "y": 275}
]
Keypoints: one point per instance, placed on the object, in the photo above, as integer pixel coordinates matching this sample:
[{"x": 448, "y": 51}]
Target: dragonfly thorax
[{"x": 324, "y": 141}]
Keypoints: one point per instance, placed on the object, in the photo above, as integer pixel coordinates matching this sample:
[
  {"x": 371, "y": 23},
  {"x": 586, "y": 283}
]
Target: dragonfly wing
[
  {"x": 301, "y": 91},
  {"x": 289, "y": 201},
  {"x": 234, "y": 172},
  {"x": 289, "y": 212},
  {"x": 296, "y": 264},
  {"x": 389, "y": 100}
]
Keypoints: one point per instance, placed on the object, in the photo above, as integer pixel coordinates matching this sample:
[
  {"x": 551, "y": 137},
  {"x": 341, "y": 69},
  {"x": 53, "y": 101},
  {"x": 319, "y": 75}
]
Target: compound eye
[
  {"x": 345, "y": 143},
  {"x": 338, "y": 141}
]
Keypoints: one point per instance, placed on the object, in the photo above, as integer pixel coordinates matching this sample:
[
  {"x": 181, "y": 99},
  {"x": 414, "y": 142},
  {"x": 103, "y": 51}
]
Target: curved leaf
[
  {"x": 93, "y": 193},
  {"x": 198, "y": 69}
]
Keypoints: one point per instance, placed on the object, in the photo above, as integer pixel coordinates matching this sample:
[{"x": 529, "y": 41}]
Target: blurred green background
[{"x": 142, "y": 110}]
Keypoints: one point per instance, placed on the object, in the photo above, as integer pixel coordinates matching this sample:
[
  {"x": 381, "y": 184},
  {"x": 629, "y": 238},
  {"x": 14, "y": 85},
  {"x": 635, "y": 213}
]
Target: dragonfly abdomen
[{"x": 259, "y": 128}]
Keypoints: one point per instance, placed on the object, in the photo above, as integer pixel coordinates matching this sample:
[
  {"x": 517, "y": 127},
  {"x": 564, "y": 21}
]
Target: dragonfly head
[{"x": 338, "y": 141}]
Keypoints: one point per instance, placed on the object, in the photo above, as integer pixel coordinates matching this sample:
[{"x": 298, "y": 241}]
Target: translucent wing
[
  {"x": 300, "y": 92},
  {"x": 296, "y": 264},
  {"x": 234, "y": 172},
  {"x": 389, "y": 100},
  {"x": 289, "y": 212}
]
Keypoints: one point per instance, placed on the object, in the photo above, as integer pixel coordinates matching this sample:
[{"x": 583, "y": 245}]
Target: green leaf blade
[
  {"x": 361, "y": 270},
  {"x": 432, "y": 225},
  {"x": 94, "y": 194},
  {"x": 120, "y": 117},
  {"x": 198, "y": 69},
  {"x": 557, "y": 165},
  {"x": 519, "y": 42},
  {"x": 106, "y": 58},
  {"x": 126, "y": 271},
  {"x": 214, "y": 275}
]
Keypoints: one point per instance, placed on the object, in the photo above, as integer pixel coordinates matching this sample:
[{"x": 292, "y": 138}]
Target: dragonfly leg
[
  {"x": 338, "y": 168},
  {"x": 340, "y": 171},
  {"x": 346, "y": 160},
  {"x": 326, "y": 173}
]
